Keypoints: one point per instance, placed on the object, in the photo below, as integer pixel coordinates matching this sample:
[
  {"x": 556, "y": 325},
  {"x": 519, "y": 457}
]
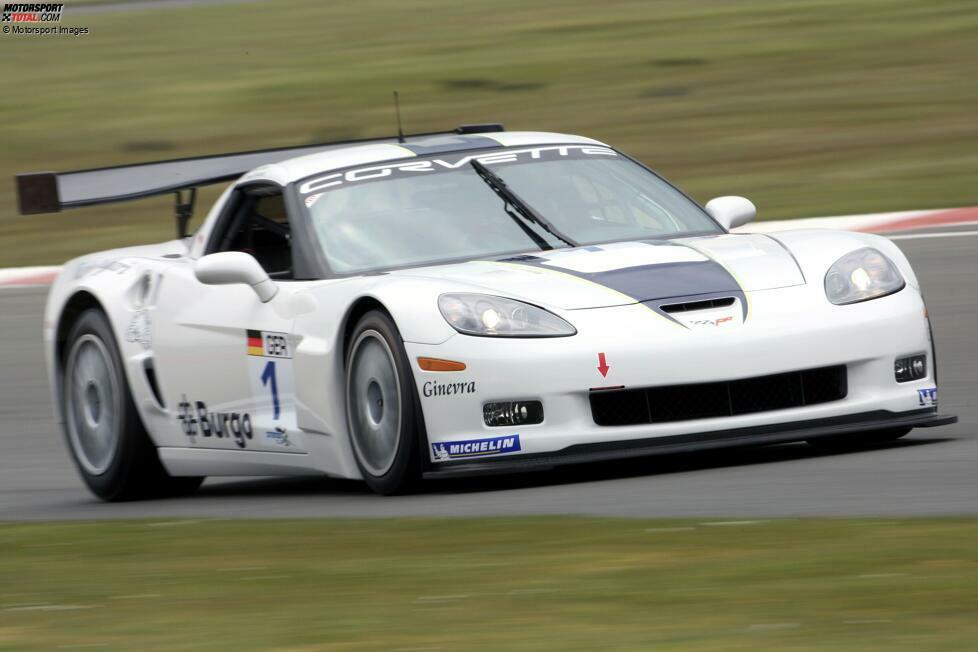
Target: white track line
[
  {"x": 16, "y": 275},
  {"x": 845, "y": 222},
  {"x": 942, "y": 234}
]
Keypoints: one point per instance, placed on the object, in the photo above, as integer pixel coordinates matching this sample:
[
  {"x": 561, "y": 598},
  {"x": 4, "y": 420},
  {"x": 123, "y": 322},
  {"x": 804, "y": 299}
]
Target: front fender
[
  {"x": 817, "y": 249},
  {"x": 123, "y": 286}
]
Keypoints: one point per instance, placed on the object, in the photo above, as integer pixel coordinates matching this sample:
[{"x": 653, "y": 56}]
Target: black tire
[
  {"x": 382, "y": 410},
  {"x": 105, "y": 435},
  {"x": 857, "y": 440}
]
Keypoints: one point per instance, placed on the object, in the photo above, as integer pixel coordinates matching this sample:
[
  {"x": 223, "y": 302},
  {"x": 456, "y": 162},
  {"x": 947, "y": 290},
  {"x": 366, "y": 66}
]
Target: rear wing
[{"x": 51, "y": 192}]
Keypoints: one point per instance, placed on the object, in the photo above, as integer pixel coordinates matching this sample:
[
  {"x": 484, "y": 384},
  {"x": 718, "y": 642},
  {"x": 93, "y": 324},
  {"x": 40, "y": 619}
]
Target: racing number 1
[{"x": 268, "y": 378}]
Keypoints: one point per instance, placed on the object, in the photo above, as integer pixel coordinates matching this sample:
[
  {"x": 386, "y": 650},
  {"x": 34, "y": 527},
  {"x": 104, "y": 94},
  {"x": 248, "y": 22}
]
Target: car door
[{"x": 223, "y": 357}]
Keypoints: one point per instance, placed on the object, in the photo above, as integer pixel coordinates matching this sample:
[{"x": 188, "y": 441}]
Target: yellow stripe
[
  {"x": 256, "y": 350},
  {"x": 415, "y": 154}
]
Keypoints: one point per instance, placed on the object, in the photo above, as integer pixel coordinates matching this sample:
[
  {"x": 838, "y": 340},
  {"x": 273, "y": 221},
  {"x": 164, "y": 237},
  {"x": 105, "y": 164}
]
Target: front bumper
[
  {"x": 764, "y": 435},
  {"x": 788, "y": 329}
]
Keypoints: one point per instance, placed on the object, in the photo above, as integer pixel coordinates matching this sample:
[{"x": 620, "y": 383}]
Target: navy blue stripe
[
  {"x": 667, "y": 280},
  {"x": 450, "y": 143}
]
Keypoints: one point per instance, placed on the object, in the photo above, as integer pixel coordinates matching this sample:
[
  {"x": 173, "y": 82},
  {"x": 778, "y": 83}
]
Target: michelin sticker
[{"x": 453, "y": 450}]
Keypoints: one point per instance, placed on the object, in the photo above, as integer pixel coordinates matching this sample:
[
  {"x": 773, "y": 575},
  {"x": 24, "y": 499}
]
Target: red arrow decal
[{"x": 603, "y": 366}]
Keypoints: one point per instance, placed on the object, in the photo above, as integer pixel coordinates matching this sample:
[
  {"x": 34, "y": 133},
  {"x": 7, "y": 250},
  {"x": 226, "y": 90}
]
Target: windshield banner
[{"x": 411, "y": 167}]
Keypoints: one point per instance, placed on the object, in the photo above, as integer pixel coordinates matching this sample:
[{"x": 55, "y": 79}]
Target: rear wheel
[
  {"x": 381, "y": 406},
  {"x": 857, "y": 439},
  {"x": 105, "y": 435}
]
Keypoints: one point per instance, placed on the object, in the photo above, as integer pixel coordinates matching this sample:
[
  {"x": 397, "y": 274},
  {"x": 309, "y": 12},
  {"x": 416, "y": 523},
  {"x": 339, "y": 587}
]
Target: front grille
[{"x": 627, "y": 407}]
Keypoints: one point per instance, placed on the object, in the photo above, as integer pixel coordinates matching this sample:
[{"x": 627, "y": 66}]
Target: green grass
[
  {"x": 810, "y": 108},
  {"x": 508, "y": 584}
]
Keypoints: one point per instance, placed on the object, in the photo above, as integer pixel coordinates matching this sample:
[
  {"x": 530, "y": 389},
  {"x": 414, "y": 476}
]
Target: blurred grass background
[
  {"x": 813, "y": 107},
  {"x": 496, "y": 584}
]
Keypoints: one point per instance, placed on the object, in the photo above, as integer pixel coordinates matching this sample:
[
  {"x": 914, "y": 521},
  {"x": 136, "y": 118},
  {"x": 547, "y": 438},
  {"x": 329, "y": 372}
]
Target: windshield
[{"x": 437, "y": 208}]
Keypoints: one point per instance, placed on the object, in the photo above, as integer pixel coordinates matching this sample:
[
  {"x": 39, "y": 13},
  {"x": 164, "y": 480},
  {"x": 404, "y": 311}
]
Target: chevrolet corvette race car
[{"x": 464, "y": 302}]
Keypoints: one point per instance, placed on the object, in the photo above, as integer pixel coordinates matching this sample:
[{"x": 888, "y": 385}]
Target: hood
[{"x": 630, "y": 272}]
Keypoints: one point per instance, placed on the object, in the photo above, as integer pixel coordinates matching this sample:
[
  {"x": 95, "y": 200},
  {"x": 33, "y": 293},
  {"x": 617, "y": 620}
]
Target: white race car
[{"x": 475, "y": 301}]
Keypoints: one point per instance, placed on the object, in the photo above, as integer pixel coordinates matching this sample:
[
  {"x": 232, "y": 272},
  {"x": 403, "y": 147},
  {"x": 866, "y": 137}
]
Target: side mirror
[
  {"x": 230, "y": 267},
  {"x": 731, "y": 211}
]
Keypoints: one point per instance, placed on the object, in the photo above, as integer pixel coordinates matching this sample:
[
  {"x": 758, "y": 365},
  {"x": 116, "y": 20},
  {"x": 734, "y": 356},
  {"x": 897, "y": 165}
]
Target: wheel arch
[
  {"x": 71, "y": 310},
  {"x": 358, "y": 308},
  {"x": 77, "y": 303}
]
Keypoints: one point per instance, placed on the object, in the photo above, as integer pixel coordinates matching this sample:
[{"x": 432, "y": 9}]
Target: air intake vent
[
  {"x": 152, "y": 382},
  {"x": 706, "y": 304},
  {"x": 628, "y": 407}
]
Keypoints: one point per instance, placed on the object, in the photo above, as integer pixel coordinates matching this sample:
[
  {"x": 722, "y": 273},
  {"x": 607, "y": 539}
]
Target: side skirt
[{"x": 215, "y": 462}]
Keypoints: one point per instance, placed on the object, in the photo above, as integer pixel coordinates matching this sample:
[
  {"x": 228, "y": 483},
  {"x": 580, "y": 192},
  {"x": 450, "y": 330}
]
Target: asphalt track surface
[{"x": 930, "y": 472}]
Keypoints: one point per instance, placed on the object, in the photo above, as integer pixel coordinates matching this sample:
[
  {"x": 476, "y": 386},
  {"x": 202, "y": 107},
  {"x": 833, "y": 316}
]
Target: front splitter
[{"x": 754, "y": 436}]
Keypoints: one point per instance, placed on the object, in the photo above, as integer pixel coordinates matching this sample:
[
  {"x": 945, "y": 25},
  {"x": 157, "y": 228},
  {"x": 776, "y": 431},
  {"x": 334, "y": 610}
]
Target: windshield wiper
[{"x": 526, "y": 211}]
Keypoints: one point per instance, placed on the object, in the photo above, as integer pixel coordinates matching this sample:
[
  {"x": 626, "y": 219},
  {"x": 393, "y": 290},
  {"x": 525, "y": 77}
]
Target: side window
[{"x": 255, "y": 222}]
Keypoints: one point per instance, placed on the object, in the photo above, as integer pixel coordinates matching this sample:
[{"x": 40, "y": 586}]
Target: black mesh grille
[{"x": 704, "y": 400}]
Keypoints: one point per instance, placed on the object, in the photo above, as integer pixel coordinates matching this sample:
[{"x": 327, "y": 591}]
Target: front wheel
[
  {"x": 381, "y": 406},
  {"x": 105, "y": 435},
  {"x": 857, "y": 439}
]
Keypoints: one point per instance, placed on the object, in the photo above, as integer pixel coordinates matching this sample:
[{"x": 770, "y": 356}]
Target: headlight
[
  {"x": 861, "y": 275},
  {"x": 484, "y": 314}
]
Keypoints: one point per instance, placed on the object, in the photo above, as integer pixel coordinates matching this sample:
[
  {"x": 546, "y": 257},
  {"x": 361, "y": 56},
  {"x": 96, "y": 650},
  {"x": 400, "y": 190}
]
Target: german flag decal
[{"x": 255, "y": 346}]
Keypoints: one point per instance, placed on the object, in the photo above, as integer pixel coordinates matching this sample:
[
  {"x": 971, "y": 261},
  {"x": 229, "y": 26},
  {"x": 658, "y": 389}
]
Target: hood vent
[{"x": 690, "y": 306}]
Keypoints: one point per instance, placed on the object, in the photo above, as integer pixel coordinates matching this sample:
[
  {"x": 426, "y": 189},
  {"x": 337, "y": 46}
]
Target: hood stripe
[{"x": 654, "y": 285}]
